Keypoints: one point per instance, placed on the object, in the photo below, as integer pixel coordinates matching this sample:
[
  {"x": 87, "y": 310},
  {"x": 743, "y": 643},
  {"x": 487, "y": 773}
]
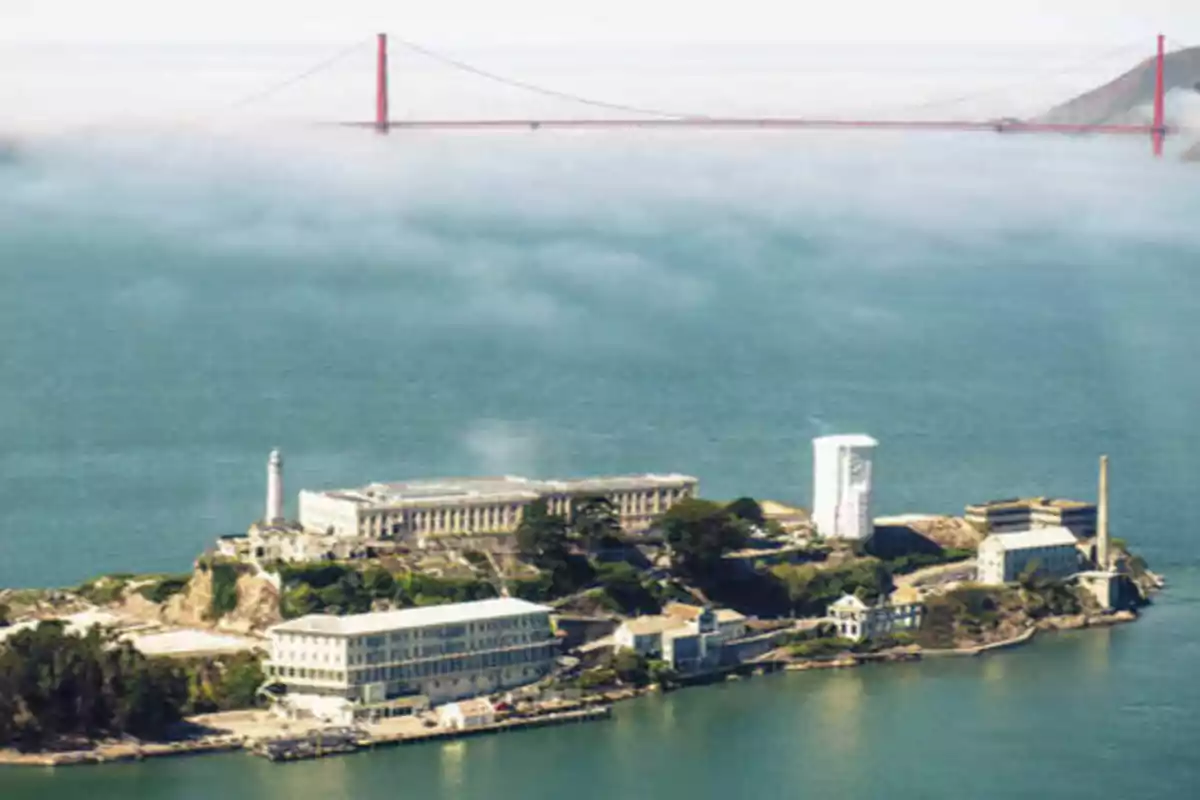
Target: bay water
[{"x": 997, "y": 311}]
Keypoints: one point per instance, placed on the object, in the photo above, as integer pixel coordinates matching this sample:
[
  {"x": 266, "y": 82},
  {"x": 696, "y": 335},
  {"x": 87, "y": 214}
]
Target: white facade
[
  {"x": 687, "y": 637},
  {"x": 842, "y": 486},
  {"x": 1003, "y": 557},
  {"x": 381, "y": 661},
  {"x": 419, "y": 509},
  {"x": 856, "y": 620},
  {"x": 466, "y": 714},
  {"x": 274, "y": 509}
]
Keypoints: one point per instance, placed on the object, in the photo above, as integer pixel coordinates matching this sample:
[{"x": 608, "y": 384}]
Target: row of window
[
  {"x": 447, "y": 666},
  {"x": 483, "y": 518},
  {"x": 445, "y": 520},
  {"x": 454, "y": 631},
  {"x": 443, "y": 649}
]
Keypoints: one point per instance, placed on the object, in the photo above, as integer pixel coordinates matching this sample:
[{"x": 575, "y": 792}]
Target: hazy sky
[
  {"x": 128, "y": 59},
  {"x": 611, "y": 20}
]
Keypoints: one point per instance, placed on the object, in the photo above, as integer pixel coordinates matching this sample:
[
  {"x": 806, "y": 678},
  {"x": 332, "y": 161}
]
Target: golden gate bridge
[{"x": 645, "y": 118}]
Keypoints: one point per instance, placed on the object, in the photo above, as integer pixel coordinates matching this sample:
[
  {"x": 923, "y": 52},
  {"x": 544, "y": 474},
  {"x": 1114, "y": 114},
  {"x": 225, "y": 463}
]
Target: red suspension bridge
[{"x": 1156, "y": 131}]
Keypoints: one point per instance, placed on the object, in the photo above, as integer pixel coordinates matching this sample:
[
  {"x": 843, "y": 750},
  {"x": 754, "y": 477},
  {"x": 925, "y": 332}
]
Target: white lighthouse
[{"x": 274, "y": 515}]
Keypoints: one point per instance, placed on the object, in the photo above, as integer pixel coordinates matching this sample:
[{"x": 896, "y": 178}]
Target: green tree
[
  {"x": 595, "y": 522},
  {"x": 748, "y": 510},
  {"x": 161, "y": 589},
  {"x": 224, "y": 589},
  {"x": 542, "y": 536},
  {"x": 379, "y": 582},
  {"x": 5, "y": 615},
  {"x": 55, "y": 685},
  {"x": 699, "y": 533},
  {"x": 242, "y": 677},
  {"x": 299, "y": 600},
  {"x": 810, "y": 588},
  {"x": 623, "y": 584},
  {"x": 660, "y": 672},
  {"x": 630, "y": 667},
  {"x": 542, "y": 540}
]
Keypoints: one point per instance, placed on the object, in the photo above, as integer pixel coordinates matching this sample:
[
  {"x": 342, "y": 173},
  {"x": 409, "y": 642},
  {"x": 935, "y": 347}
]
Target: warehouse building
[{"x": 1004, "y": 556}]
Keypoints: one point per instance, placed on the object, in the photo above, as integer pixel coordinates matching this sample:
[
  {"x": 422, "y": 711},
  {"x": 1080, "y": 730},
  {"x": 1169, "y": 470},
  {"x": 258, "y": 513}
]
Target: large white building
[
  {"x": 842, "y": 486},
  {"x": 417, "y": 509},
  {"x": 1004, "y": 556},
  {"x": 380, "y": 663}
]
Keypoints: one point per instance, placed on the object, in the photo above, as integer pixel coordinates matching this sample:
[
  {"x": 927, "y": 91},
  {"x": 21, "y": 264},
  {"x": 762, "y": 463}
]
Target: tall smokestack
[{"x": 1102, "y": 560}]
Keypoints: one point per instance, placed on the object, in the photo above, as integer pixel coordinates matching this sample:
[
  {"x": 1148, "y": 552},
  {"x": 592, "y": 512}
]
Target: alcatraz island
[{"x": 397, "y": 613}]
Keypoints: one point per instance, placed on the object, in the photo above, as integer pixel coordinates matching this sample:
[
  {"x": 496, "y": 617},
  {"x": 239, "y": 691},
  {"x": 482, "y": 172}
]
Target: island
[{"x": 404, "y": 612}]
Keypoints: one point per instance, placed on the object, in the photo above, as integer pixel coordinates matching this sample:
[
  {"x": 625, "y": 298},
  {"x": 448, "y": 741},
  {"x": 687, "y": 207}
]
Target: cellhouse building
[
  {"x": 414, "y": 510},
  {"x": 842, "y": 486},
  {"x": 393, "y": 662}
]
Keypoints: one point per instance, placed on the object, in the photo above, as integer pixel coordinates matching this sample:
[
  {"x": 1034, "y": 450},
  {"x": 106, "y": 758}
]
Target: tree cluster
[
  {"x": 223, "y": 684},
  {"x": 628, "y": 668},
  {"x": 562, "y": 550},
  {"x": 334, "y": 588},
  {"x": 55, "y": 685},
  {"x": 699, "y": 533},
  {"x": 811, "y": 589},
  {"x": 550, "y": 543}
]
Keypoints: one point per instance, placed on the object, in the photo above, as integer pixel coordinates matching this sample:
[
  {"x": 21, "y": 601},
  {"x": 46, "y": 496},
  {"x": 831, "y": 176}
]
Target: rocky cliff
[{"x": 256, "y": 608}]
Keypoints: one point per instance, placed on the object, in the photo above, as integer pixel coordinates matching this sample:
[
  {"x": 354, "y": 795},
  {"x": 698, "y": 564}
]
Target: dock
[{"x": 340, "y": 741}]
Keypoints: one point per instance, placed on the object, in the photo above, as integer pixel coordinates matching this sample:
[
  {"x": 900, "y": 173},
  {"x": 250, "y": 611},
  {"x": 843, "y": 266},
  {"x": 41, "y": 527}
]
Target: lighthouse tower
[{"x": 274, "y": 515}]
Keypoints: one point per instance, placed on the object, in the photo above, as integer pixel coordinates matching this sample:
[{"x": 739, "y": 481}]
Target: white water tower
[{"x": 842, "y": 486}]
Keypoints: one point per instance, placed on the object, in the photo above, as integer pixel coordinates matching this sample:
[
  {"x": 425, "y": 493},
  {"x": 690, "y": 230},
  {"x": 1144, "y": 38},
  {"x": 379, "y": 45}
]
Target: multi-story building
[
  {"x": 689, "y": 638},
  {"x": 842, "y": 486},
  {"x": 1004, "y": 556},
  {"x": 379, "y": 662},
  {"x": 1022, "y": 513},
  {"x": 857, "y": 620},
  {"x": 419, "y": 509}
]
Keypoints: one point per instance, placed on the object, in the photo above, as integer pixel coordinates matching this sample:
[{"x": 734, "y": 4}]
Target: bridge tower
[
  {"x": 382, "y": 121},
  {"x": 1159, "y": 130}
]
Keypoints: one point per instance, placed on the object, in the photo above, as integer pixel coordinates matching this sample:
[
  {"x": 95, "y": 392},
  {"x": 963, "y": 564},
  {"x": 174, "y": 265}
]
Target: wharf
[{"x": 322, "y": 744}]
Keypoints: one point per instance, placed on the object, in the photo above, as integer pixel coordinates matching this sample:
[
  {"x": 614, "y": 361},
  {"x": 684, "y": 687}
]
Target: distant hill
[{"x": 1129, "y": 98}]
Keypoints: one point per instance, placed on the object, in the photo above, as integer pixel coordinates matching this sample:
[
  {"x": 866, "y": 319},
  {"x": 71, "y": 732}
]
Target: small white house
[
  {"x": 856, "y": 620},
  {"x": 466, "y": 714},
  {"x": 1003, "y": 557}
]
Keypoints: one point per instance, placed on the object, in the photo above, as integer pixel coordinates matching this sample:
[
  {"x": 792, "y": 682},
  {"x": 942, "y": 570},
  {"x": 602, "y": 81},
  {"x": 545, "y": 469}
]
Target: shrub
[
  {"x": 824, "y": 647},
  {"x": 163, "y": 588},
  {"x": 104, "y": 590},
  {"x": 594, "y": 678},
  {"x": 224, "y": 590},
  {"x": 622, "y": 583}
]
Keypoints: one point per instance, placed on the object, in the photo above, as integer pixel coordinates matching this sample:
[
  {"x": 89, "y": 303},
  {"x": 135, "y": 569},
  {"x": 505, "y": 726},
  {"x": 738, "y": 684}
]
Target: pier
[{"x": 339, "y": 741}]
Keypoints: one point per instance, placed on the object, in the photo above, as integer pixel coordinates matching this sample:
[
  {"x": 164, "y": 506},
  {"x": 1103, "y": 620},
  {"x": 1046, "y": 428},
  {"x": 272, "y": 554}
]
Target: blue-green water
[{"x": 996, "y": 311}]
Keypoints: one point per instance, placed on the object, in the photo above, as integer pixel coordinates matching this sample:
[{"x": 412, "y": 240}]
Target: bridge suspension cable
[
  {"x": 942, "y": 102},
  {"x": 536, "y": 88},
  {"x": 276, "y": 88}
]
